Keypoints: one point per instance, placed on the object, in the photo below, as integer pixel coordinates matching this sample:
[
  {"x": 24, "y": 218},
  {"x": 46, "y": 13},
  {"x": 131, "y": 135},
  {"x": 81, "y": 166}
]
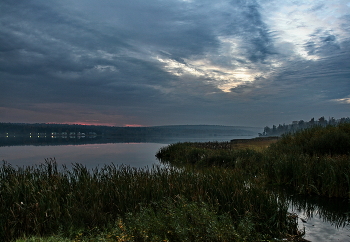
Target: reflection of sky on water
[
  {"x": 91, "y": 155},
  {"x": 317, "y": 229}
]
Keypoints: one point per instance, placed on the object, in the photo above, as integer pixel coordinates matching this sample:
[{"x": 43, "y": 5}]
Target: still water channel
[
  {"x": 323, "y": 220},
  {"x": 90, "y": 155}
]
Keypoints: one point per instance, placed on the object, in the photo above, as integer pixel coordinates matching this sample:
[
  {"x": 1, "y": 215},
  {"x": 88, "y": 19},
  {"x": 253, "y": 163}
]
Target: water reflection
[
  {"x": 92, "y": 152},
  {"x": 90, "y": 155},
  {"x": 323, "y": 219}
]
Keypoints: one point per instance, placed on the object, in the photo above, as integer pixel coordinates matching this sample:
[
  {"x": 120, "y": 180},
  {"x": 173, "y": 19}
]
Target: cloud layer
[{"x": 174, "y": 62}]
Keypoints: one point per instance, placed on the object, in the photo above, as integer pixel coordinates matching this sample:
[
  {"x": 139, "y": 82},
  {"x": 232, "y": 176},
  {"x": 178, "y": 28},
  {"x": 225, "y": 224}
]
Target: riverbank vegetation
[
  {"x": 214, "y": 191},
  {"x": 312, "y": 161}
]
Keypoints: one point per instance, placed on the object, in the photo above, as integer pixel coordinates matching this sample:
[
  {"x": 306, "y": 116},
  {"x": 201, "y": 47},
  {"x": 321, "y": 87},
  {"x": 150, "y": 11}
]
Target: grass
[
  {"x": 255, "y": 144},
  {"x": 211, "y": 203},
  {"x": 311, "y": 161}
]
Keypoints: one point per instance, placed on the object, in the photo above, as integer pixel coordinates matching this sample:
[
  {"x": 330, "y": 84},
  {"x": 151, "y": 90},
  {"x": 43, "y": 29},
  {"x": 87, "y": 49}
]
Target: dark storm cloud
[
  {"x": 259, "y": 39},
  {"x": 167, "y": 62},
  {"x": 173, "y": 25}
]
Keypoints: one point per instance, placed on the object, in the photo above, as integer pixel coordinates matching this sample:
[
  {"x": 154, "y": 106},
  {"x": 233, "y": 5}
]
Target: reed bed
[
  {"x": 311, "y": 161},
  {"x": 210, "y": 154},
  {"x": 44, "y": 200}
]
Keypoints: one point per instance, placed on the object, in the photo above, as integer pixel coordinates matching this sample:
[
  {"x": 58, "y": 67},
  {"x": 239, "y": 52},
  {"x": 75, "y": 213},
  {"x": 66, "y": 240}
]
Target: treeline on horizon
[
  {"x": 300, "y": 125},
  {"x": 27, "y": 128},
  {"x": 43, "y": 129}
]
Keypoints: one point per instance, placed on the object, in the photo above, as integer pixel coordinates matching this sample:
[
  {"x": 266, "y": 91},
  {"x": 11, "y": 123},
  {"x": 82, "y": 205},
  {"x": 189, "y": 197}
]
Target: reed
[
  {"x": 224, "y": 154},
  {"x": 318, "y": 140},
  {"x": 311, "y": 161},
  {"x": 44, "y": 200}
]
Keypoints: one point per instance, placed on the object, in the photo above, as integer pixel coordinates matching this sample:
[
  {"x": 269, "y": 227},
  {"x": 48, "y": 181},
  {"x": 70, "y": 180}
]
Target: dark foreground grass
[{"x": 127, "y": 204}]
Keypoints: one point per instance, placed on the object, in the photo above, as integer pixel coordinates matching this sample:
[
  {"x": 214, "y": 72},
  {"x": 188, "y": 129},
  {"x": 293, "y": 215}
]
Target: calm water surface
[
  {"x": 317, "y": 229},
  {"x": 90, "y": 155},
  {"x": 323, "y": 219}
]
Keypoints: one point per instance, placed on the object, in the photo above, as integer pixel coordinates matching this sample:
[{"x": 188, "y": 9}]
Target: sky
[{"x": 168, "y": 62}]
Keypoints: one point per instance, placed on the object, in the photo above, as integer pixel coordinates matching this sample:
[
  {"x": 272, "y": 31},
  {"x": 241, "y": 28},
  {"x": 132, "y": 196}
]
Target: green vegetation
[
  {"x": 310, "y": 161},
  {"x": 128, "y": 204},
  {"x": 215, "y": 191}
]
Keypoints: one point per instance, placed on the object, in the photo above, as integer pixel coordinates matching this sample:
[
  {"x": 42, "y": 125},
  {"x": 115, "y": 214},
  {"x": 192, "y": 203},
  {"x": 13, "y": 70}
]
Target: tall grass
[
  {"x": 45, "y": 199},
  {"x": 210, "y": 154},
  {"x": 311, "y": 161},
  {"x": 318, "y": 140}
]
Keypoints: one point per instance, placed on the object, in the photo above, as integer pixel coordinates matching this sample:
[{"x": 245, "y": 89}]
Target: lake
[
  {"x": 321, "y": 222},
  {"x": 90, "y": 155},
  {"x": 95, "y": 154}
]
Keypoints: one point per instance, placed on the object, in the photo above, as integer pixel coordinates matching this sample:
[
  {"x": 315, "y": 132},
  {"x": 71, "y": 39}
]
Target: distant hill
[{"x": 22, "y": 133}]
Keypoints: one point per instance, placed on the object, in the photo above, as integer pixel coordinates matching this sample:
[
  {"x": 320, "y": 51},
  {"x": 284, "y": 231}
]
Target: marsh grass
[
  {"x": 44, "y": 200},
  {"x": 311, "y": 161},
  {"x": 219, "y": 154},
  {"x": 316, "y": 141}
]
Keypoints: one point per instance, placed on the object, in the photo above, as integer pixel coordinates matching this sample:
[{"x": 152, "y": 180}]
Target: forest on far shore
[{"x": 300, "y": 125}]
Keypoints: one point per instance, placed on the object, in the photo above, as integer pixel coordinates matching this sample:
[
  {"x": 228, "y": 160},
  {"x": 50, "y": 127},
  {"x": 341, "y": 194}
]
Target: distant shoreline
[{"x": 255, "y": 139}]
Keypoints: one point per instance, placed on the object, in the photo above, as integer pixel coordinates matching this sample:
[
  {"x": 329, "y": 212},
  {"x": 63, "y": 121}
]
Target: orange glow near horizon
[
  {"x": 133, "y": 125},
  {"x": 96, "y": 123},
  {"x": 87, "y": 123}
]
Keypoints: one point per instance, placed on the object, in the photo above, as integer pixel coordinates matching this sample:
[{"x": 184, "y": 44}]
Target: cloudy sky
[{"x": 161, "y": 62}]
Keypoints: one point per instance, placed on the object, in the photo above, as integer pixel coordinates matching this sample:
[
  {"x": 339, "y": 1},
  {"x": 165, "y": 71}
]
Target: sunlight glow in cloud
[
  {"x": 178, "y": 69},
  {"x": 220, "y": 72},
  {"x": 343, "y": 100},
  {"x": 222, "y": 77}
]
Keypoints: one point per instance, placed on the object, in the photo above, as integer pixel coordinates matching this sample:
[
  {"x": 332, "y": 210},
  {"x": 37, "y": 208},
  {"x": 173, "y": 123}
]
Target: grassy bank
[{"x": 312, "y": 161}]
